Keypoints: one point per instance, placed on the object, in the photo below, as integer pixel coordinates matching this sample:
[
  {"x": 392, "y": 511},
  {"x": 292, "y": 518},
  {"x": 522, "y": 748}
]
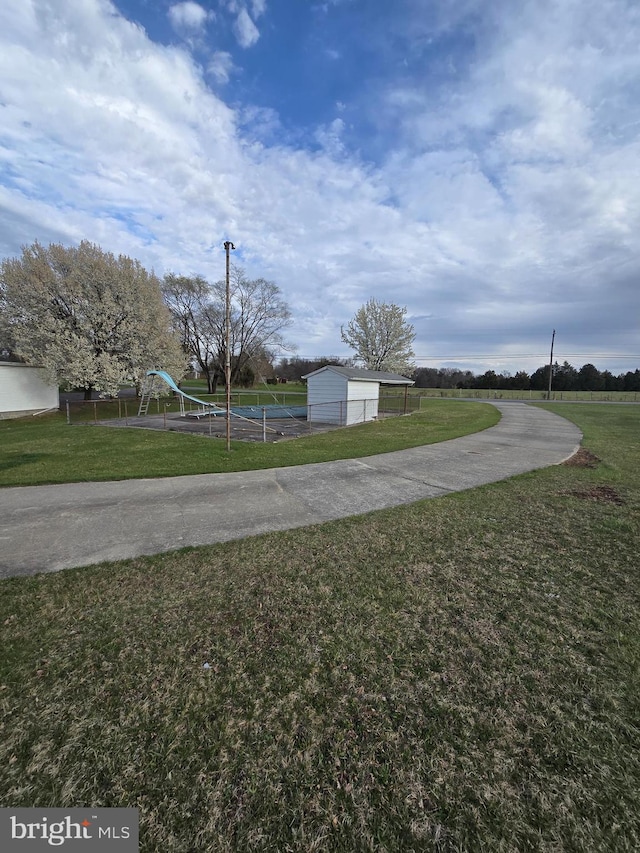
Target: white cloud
[
  {"x": 507, "y": 205},
  {"x": 221, "y": 66},
  {"x": 260, "y": 124},
  {"x": 522, "y": 159},
  {"x": 188, "y": 17},
  {"x": 258, "y": 7},
  {"x": 330, "y": 137},
  {"x": 245, "y": 30}
]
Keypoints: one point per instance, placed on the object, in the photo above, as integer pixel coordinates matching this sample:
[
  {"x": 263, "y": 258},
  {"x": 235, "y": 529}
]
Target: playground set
[
  {"x": 208, "y": 409},
  {"x": 195, "y": 415},
  {"x": 336, "y": 397}
]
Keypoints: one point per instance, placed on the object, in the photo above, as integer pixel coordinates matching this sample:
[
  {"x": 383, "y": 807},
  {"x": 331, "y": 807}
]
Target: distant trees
[
  {"x": 521, "y": 381},
  {"x": 540, "y": 379},
  {"x": 631, "y": 381},
  {"x": 381, "y": 337},
  {"x": 443, "y": 377},
  {"x": 291, "y": 369},
  {"x": 565, "y": 378},
  {"x": 92, "y": 320},
  {"x": 259, "y": 316},
  {"x": 490, "y": 379},
  {"x": 590, "y": 378}
]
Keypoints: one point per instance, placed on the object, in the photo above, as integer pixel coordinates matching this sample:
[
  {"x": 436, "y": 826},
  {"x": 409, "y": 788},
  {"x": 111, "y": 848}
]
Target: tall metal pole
[
  {"x": 553, "y": 337},
  {"x": 227, "y": 337}
]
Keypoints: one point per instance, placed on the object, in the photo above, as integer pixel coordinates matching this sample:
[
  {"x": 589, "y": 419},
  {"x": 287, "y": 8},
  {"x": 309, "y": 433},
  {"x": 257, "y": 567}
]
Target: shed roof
[{"x": 362, "y": 375}]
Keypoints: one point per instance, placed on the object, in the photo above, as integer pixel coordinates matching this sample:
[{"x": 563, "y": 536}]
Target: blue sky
[{"x": 476, "y": 161}]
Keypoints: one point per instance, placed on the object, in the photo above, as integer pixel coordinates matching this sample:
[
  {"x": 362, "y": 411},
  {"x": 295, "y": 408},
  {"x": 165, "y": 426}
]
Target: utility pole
[
  {"x": 553, "y": 337},
  {"x": 227, "y": 354}
]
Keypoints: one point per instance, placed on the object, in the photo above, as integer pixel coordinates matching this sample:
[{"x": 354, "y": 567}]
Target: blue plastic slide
[{"x": 166, "y": 378}]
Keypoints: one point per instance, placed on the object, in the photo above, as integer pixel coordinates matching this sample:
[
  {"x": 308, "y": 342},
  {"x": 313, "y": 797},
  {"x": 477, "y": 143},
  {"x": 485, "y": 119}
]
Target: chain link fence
[{"x": 255, "y": 415}]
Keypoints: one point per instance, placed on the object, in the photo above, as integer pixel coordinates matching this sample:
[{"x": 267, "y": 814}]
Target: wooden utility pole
[
  {"x": 553, "y": 337},
  {"x": 227, "y": 337}
]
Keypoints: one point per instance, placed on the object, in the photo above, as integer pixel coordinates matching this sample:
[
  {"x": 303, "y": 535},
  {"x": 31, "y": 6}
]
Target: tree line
[
  {"x": 96, "y": 321},
  {"x": 565, "y": 377}
]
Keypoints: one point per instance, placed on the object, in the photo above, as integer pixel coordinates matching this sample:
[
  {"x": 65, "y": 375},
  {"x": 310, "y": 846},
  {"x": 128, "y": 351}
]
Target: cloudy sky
[{"x": 476, "y": 161}]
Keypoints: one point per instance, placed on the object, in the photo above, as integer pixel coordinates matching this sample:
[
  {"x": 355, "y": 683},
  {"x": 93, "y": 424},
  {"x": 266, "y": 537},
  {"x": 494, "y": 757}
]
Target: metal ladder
[
  {"x": 149, "y": 387},
  {"x": 145, "y": 397}
]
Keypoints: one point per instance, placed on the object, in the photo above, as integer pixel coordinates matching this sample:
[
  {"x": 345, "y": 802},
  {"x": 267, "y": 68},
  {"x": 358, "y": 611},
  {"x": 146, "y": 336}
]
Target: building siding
[
  {"x": 362, "y": 401},
  {"x": 24, "y": 390},
  {"x": 331, "y": 398},
  {"x": 324, "y": 393}
]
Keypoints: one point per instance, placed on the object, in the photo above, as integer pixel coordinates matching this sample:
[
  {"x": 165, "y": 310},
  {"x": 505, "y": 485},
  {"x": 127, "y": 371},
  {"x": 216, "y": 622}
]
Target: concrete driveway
[{"x": 48, "y": 528}]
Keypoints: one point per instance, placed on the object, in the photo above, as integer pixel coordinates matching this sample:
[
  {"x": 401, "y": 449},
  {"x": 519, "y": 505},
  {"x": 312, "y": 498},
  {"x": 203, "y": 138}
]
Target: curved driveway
[{"x": 47, "y": 528}]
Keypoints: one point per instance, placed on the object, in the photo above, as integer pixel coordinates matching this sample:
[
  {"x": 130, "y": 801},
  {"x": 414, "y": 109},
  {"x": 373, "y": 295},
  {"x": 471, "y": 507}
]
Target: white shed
[
  {"x": 346, "y": 395},
  {"x": 24, "y": 390}
]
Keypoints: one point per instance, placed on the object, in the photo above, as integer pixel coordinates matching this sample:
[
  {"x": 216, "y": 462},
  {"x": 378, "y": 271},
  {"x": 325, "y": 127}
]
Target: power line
[
  {"x": 508, "y": 356},
  {"x": 485, "y": 356}
]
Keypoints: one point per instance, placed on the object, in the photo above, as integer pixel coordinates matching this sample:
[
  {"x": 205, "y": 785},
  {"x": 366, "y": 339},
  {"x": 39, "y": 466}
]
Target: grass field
[
  {"x": 460, "y": 674},
  {"x": 529, "y": 396},
  {"x": 47, "y": 450},
  {"x": 289, "y": 391}
]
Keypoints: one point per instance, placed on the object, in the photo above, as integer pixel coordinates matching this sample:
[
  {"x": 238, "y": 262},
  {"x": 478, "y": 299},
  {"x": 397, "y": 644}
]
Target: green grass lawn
[
  {"x": 461, "y": 674},
  {"x": 47, "y": 450}
]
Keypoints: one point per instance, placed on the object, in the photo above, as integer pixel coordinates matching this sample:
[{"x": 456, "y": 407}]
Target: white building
[
  {"x": 347, "y": 395},
  {"x": 25, "y": 391}
]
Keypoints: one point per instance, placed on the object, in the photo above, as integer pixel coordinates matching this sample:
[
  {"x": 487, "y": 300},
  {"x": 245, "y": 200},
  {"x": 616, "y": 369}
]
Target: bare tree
[
  {"x": 381, "y": 337},
  {"x": 196, "y": 320},
  {"x": 93, "y": 320},
  {"x": 259, "y": 316}
]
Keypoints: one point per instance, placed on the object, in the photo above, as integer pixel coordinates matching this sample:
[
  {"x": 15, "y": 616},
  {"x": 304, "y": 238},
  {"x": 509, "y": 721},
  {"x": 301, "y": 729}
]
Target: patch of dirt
[
  {"x": 583, "y": 459},
  {"x": 604, "y": 494}
]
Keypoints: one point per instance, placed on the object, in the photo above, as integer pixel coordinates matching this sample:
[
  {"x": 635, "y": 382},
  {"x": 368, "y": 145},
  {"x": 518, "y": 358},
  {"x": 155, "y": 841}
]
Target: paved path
[{"x": 47, "y": 528}]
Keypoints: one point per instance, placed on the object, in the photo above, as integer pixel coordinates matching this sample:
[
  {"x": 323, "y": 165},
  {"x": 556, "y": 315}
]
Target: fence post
[
  {"x": 264, "y": 424},
  {"x": 126, "y": 414},
  {"x": 95, "y": 413},
  {"x": 68, "y": 414}
]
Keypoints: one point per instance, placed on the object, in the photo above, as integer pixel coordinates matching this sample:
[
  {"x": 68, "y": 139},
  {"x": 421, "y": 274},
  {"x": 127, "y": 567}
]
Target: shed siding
[
  {"x": 23, "y": 389},
  {"x": 324, "y": 395},
  {"x": 331, "y": 398},
  {"x": 362, "y": 401}
]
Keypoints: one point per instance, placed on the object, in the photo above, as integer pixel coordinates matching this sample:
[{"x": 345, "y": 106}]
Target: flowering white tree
[
  {"x": 6, "y": 339},
  {"x": 92, "y": 320},
  {"x": 381, "y": 337}
]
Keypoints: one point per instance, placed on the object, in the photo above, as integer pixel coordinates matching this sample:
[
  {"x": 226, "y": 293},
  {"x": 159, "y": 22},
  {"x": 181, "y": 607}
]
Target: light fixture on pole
[{"x": 227, "y": 337}]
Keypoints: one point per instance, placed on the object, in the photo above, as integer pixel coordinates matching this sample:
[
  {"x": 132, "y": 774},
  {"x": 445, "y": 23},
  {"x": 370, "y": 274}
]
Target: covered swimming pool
[{"x": 269, "y": 412}]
